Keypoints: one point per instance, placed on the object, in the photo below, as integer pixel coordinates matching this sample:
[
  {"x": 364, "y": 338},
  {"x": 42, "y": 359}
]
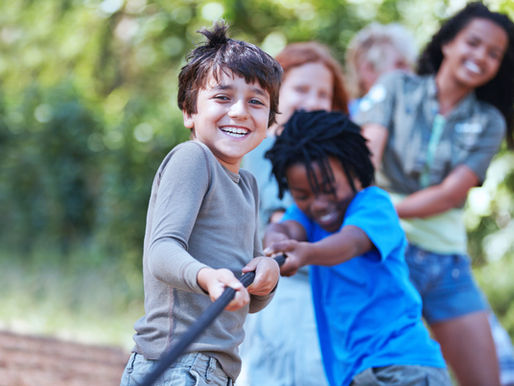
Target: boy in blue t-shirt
[{"x": 368, "y": 313}]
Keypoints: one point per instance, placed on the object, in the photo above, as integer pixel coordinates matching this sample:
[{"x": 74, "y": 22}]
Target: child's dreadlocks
[{"x": 312, "y": 137}]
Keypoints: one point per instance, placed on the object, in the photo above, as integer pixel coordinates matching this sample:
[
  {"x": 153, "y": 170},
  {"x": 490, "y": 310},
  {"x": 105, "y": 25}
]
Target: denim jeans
[
  {"x": 194, "y": 369},
  {"x": 402, "y": 375},
  {"x": 445, "y": 283}
]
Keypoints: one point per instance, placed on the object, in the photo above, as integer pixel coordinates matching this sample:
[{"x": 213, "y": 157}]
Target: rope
[{"x": 169, "y": 357}]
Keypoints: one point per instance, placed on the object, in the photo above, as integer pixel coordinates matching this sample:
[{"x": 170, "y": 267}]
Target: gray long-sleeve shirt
[{"x": 200, "y": 214}]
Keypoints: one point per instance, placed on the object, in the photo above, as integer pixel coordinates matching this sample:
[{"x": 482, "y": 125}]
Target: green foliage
[
  {"x": 88, "y": 111},
  {"x": 496, "y": 279}
]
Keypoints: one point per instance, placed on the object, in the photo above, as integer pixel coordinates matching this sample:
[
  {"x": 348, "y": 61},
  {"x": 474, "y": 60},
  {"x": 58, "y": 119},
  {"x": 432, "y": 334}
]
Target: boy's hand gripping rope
[{"x": 169, "y": 357}]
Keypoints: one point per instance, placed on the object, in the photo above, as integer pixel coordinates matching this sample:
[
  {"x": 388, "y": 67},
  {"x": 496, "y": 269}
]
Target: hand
[
  {"x": 273, "y": 235},
  {"x": 267, "y": 273},
  {"x": 214, "y": 282},
  {"x": 296, "y": 252}
]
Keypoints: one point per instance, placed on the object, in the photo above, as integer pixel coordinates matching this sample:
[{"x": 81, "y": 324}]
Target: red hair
[{"x": 298, "y": 54}]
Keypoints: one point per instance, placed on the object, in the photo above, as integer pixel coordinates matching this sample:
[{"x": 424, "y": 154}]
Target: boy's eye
[
  {"x": 254, "y": 101},
  {"x": 299, "y": 196},
  {"x": 221, "y": 97}
]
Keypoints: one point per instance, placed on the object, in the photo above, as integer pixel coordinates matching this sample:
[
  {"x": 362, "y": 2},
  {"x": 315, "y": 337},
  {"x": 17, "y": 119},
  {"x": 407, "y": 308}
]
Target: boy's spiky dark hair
[
  {"x": 220, "y": 54},
  {"x": 313, "y": 137}
]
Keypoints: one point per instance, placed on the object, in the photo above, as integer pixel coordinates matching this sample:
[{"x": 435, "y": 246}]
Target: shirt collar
[{"x": 463, "y": 109}]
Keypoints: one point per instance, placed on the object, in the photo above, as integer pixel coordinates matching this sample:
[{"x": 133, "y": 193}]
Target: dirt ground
[{"x": 40, "y": 361}]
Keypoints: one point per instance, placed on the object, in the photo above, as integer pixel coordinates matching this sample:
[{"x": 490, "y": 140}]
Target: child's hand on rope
[
  {"x": 267, "y": 273},
  {"x": 296, "y": 251},
  {"x": 214, "y": 282}
]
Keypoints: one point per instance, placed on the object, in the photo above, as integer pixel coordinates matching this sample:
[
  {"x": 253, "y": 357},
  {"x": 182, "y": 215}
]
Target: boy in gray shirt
[{"x": 202, "y": 222}]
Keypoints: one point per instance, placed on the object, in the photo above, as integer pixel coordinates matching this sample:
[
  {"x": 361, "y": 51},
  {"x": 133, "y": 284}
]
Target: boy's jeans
[
  {"x": 189, "y": 370},
  {"x": 403, "y": 375}
]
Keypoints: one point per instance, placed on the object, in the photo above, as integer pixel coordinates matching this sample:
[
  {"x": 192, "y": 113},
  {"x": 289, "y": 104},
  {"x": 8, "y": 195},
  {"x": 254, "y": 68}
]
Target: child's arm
[
  {"x": 339, "y": 247},
  {"x": 436, "y": 199}
]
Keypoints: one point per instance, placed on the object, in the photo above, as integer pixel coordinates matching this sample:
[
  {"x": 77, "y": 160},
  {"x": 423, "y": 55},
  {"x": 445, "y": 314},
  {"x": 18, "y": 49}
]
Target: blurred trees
[{"x": 88, "y": 108}]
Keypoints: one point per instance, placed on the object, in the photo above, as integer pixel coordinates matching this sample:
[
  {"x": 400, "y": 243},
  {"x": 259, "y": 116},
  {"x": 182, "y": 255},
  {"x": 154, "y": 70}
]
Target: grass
[
  {"x": 74, "y": 299},
  {"x": 89, "y": 298}
]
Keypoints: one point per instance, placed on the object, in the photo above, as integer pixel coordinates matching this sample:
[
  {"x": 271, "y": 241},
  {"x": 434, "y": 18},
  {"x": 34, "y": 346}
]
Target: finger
[
  {"x": 229, "y": 280},
  {"x": 251, "y": 266},
  {"x": 278, "y": 247},
  {"x": 237, "y": 285},
  {"x": 270, "y": 250},
  {"x": 241, "y": 298},
  {"x": 215, "y": 292},
  {"x": 288, "y": 269},
  {"x": 288, "y": 272}
]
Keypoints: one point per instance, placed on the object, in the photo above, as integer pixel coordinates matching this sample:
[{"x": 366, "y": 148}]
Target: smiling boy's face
[
  {"x": 326, "y": 208},
  {"x": 231, "y": 119}
]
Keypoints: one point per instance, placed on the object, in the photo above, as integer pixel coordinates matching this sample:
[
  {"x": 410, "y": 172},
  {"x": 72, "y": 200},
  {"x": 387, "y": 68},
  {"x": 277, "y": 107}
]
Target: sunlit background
[{"x": 87, "y": 112}]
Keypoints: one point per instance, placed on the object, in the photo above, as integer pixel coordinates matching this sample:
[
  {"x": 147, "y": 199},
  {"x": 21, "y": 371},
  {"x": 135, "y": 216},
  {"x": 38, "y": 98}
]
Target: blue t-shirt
[{"x": 368, "y": 313}]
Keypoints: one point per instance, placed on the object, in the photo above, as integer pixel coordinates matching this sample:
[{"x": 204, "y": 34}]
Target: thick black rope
[{"x": 169, "y": 357}]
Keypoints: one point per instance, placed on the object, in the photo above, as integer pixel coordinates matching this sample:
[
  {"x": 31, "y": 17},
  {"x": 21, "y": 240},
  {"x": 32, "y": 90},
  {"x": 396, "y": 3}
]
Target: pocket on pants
[{"x": 196, "y": 379}]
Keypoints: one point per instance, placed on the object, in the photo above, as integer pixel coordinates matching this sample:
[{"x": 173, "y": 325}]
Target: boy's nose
[
  {"x": 238, "y": 110},
  {"x": 319, "y": 205}
]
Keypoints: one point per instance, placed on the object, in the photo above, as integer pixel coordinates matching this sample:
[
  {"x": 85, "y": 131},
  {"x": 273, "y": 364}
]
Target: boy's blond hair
[{"x": 372, "y": 44}]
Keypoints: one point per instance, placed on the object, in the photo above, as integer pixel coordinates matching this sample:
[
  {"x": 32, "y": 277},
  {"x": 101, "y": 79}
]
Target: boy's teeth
[
  {"x": 235, "y": 131},
  {"x": 326, "y": 217},
  {"x": 472, "y": 67}
]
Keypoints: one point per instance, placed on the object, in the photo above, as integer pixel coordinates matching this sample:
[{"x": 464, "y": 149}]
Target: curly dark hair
[
  {"x": 220, "y": 54},
  {"x": 499, "y": 91},
  {"x": 313, "y": 137}
]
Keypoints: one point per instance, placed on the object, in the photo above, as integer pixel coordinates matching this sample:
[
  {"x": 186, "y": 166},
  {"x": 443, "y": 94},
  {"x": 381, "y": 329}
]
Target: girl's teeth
[{"x": 472, "y": 67}]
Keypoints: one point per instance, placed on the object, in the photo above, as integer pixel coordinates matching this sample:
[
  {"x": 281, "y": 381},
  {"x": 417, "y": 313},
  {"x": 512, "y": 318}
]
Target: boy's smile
[
  {"x": 325, "y": 208},
  {"x": 231, "y": 119}
]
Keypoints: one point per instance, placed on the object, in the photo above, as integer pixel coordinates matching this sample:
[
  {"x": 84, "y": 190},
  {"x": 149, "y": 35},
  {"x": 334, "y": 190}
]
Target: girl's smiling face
[
  {"x": 475, "y": 54},
  {"x": 327, "y": 207}
]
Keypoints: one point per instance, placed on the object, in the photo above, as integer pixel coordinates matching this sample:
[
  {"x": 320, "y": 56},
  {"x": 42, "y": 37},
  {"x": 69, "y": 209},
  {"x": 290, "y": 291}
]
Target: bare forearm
[
  {"x": 273, "y": 231},
  {"x": 425, "y": 203},
  {"x": 450, "y": 193},
  {"x": 283, "y": 231},
  {"x": 339, "y": 247},
  {"x": 349, "y": 242}
]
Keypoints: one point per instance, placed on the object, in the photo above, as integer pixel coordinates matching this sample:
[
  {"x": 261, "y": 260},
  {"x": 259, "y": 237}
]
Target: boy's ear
[{"x": 188, "y": 120}]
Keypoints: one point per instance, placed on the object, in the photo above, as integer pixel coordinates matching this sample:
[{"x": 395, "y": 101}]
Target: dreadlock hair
[
  {"x": 499, "y": 91},
  {"x": 220, "y": 54},
  {"x": 313, "y": 137}
]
